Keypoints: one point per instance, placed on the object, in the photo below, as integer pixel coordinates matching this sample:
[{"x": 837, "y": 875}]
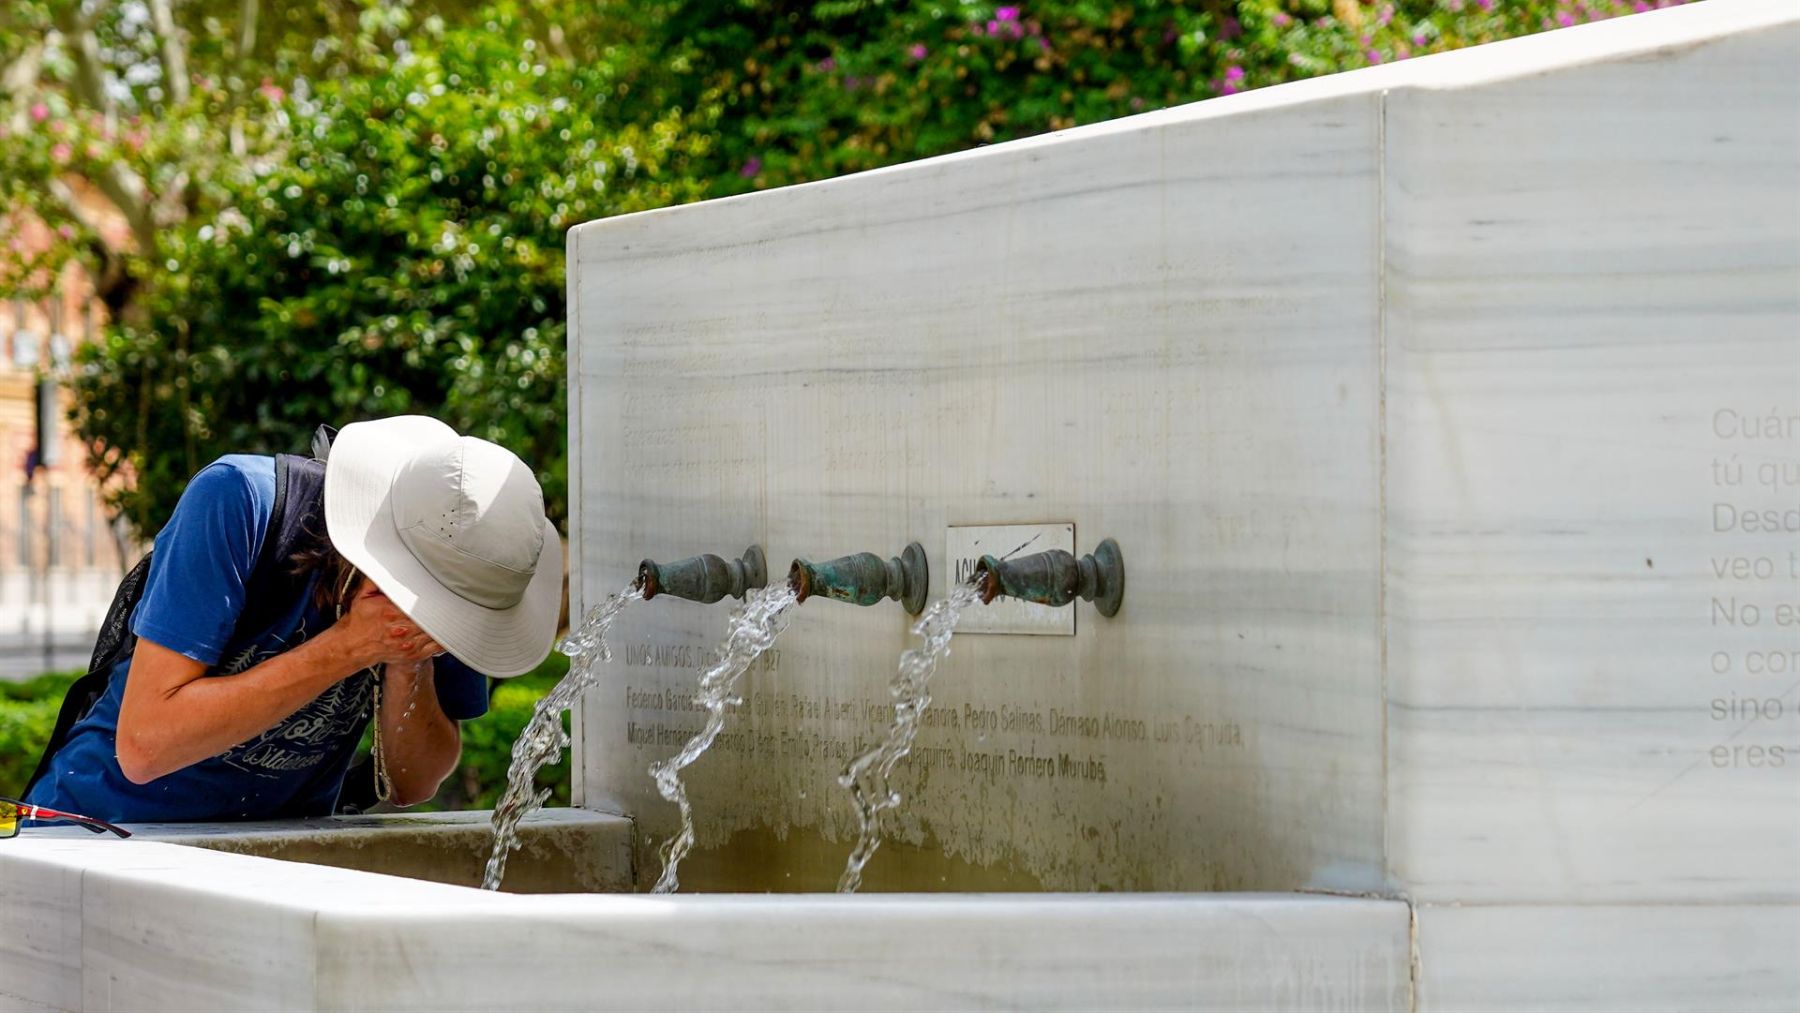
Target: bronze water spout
[
  {"x": 1057, "y": 578},
  {"x": 865, "y": 578},
  {"x": 705, "y": 578}
]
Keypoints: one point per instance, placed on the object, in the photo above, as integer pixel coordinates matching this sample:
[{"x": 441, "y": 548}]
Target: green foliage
[
  {"x": 405, "y": 255},
  {"x": 27, "y": 716},
  {"x": 802, "y": 92},
  {"x": 38, "y": 687},
  {"x": 87, "y": 94}
]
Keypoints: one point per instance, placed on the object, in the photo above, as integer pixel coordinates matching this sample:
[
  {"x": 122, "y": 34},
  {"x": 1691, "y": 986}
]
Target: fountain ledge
[{"x": 152, "y": 924}]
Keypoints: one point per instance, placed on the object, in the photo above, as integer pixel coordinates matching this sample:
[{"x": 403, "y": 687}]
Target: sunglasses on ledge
[{"x": 12, "y": 811}]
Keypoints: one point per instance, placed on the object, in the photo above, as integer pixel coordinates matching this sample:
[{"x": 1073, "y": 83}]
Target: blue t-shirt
[{"x": 193, "y": 595}]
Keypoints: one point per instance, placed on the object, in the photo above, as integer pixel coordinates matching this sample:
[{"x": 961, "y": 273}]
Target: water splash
[
  {"x": 544, "y": 739},
  {"x": 868, "y": 777},
  {"x": 753, "y": 628}
]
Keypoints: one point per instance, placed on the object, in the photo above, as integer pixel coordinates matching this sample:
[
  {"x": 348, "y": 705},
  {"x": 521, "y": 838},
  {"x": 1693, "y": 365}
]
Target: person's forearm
[
  {"x": 420, "y": 743},
  {"x": 164, "y": 732}
]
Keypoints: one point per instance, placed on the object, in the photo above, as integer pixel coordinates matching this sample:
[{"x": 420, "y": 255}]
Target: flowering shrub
[{"x": 845, "y": 86}]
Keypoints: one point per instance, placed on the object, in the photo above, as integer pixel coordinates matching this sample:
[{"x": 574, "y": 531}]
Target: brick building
[{"x": 60, "y": 556}]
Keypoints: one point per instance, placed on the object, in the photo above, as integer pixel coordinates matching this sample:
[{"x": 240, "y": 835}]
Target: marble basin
[{"x": 151, "y": 924}]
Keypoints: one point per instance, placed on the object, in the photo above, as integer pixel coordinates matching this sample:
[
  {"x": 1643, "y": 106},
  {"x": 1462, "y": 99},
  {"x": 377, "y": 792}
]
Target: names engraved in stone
[{"x": 828, "y": 728}]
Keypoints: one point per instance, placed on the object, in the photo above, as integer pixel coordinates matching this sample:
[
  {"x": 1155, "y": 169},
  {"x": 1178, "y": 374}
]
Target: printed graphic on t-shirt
[{"x": 304, "y": 739}]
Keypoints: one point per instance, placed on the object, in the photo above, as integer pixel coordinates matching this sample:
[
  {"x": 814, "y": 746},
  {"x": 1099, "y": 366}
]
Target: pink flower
[
  {"x": 270, "y": 91},
  {"x": 1640, "y": 7},
  {"x": 60, "y": 152},
  {"x": 1486, "y": 5},
  {"x": 1387, "y": 15},
  {"x": 1007, "y": 14},
  {"x": 1564, "y": 18},
  {"x": 917, "y": 51},
  {"x": 1234, "y": 73},
  {"x": 39, "y": 112},
  {"x": 993, "y": 28},
  {"x": 66, "y": 231},
  {"x": 1044, "y": 44},
  {"x": 752, "y": 167},
  {"x": 827, "y": 65},
  {"x": 1374, "y": 56},
  {"x": 1419, "y": 37},
  {"x": 1282, "y": 19}
]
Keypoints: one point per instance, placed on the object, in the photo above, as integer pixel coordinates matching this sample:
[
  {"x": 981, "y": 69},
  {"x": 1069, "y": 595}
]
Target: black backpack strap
[
  {"x": 115, "y": 640},
  {"x": 296, "y": 522}
]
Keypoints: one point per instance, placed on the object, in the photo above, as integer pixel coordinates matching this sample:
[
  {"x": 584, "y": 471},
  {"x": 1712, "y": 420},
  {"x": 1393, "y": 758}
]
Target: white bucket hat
[{"x": 452, "y": 529}]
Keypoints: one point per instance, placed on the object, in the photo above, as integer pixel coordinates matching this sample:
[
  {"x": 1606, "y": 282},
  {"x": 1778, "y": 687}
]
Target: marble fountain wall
[{"x": 1414, "y": 397}]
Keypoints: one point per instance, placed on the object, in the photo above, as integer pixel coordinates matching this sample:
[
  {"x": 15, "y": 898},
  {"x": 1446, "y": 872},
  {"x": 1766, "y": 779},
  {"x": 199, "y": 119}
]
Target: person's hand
[{"x": 374, "y": 632}]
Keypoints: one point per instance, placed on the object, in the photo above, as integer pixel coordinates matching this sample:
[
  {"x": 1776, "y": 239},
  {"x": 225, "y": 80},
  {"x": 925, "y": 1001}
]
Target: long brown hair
[{"x": 338, "y": 578}]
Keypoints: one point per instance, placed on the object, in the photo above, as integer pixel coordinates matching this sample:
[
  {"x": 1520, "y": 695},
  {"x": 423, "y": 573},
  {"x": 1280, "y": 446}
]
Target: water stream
[
  {"x": 753, "y": 628},
  {"x": 868, "y": 777},
  {"x": 544, "y": 738}
]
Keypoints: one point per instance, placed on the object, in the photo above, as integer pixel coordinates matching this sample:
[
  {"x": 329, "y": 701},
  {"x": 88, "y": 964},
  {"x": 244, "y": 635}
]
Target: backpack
[{"x": 293, "y": 521}]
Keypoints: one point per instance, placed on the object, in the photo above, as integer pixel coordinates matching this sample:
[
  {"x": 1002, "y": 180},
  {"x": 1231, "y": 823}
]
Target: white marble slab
[
  {"x": 208, "y": 930},
  {"x": 1631, "y": 958},
  {"x": 157, "y": 926},
  {"x": 13, "y": 1004},
  {"x": 40, "y": 923},
  {"x": 1584, "y": 270},
  {"x": 1166, "y": 336},
  {"x": 1224, "y": 952}
]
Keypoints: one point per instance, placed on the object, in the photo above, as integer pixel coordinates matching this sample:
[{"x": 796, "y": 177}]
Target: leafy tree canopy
[{"x": 404, "y": 254}]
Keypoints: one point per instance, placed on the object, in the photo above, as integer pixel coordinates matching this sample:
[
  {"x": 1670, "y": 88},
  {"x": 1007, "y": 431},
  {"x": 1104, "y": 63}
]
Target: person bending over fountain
[{"x": 261, "y": 640}]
